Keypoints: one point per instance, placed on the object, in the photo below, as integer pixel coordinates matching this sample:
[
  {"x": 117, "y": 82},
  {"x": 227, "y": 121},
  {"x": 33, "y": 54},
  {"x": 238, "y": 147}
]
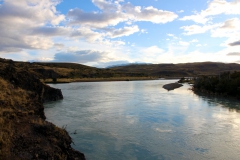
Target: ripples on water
[{"x": 141, "y": 120}]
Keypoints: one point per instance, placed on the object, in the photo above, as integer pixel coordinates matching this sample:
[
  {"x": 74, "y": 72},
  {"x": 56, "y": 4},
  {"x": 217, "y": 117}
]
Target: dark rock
[{"x": 172, "y": 86}]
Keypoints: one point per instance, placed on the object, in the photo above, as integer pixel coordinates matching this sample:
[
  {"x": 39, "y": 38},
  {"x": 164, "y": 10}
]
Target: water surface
[{"x": 140, "y": 120}]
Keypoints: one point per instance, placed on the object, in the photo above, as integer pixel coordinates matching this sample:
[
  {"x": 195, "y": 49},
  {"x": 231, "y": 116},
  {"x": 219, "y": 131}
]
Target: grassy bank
[{"x": 24, "y": 132}]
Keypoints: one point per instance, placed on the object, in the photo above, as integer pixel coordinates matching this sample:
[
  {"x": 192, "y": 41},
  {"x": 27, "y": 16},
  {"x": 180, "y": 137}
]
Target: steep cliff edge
[{"x": 24, "y": 133}]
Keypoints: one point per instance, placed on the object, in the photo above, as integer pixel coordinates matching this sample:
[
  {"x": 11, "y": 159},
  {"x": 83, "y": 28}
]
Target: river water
[{"x": 140, "y": 120}]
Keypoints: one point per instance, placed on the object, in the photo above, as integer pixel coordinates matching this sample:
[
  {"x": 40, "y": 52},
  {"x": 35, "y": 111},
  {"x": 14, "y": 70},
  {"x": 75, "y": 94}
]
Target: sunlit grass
[{"x": 10, "y": 97}]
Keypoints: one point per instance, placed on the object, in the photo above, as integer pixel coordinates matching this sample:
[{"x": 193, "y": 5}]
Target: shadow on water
[{"x": 231, "y": 103}]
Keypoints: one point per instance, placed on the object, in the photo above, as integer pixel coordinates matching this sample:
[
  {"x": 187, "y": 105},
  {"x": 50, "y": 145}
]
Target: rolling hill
[
  {"x": 181, "y": 69},
  {"x": 74, "y": 70}
]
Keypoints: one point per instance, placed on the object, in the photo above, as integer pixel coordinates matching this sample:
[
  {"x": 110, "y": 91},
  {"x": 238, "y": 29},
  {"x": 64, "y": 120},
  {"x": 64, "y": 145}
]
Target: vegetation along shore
[{"x": 226, "y": 84}]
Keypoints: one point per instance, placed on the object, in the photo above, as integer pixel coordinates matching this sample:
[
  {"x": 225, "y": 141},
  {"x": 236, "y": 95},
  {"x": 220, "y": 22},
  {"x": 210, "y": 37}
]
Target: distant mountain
[{"x": 127, "y": 64}]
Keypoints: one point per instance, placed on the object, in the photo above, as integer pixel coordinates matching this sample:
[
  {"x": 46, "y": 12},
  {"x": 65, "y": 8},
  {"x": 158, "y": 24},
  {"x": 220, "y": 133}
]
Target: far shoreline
[{"x": 71, "y": 80}]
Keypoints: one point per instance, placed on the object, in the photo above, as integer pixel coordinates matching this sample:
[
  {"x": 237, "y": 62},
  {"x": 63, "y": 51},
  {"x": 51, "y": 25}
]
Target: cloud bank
[
  {"x": 115, "y": 13},
  {"x": 109, "y": 34},
  {"x": 21, "y": 23},
  {"x": 215, "y": 7},
  {"x": 237, "y": 43},
  {"x": 31, "y": 25}
]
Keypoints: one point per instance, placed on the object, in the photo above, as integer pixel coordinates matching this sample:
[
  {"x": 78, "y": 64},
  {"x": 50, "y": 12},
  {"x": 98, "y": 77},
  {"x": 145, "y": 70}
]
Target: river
[{"x": 139, "y": 120}]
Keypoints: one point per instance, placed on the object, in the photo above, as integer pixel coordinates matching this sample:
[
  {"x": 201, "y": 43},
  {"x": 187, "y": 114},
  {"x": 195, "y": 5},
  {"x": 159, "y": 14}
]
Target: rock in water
[{"x": 172, "y": 86}]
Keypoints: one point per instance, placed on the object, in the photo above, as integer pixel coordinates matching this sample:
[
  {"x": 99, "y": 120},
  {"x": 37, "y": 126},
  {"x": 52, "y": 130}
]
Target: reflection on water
[
  {"x": 141, "y": 120},
  {"x": 216, "y": 100}
]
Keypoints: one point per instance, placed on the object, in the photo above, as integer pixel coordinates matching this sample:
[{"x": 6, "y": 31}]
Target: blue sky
[{"x": 108, "y": 32}]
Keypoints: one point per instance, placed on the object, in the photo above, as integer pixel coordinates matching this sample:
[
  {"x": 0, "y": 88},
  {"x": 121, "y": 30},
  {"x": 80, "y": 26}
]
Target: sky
[{"x": 103, "y": 33}]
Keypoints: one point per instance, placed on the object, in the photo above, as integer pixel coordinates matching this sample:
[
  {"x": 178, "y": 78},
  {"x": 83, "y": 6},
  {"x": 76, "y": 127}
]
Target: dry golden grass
[
  {"x": 63, "y": 71},
  {"x": 5, "y": 125},
  {"x": 60, "y": 71},
  {"x": 5, "y": 132},
  {"x": 11, "y": 95},
  {"x": 3, "y": 83},
  {"x": 9, "y": 98},
  {"x": 13, "y": 101},
  {"x": 37, "y": 121}
]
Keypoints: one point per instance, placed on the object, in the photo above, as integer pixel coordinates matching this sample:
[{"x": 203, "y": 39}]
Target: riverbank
[
  {"x": 70, "y": 80},
  {"x": 24, "y": 132},
  {"x": 225, "y": 84}
]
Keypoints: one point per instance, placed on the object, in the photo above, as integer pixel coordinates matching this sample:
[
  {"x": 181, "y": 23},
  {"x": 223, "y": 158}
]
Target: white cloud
[
  {"x": 19, "y": 19},
  {"x": 181, "y": 11},
  {"x": 196, "y": 29},
  {"x": 126, "y": 31},
  {"x": 172, "y": 35},
  {"x": 59, "y": 46},
  {"x": 144, "y": 31},
  {"x": 222, "y": 7},
  {"x": 40, "y": 12},
  {"x": 194, "y": 41},
  {"x": 196, "y": 56},
  {"x": 182, "y": 43},
  {"x": 149, "y": 14},
  {"x": 118, "y": 43},
  {"x": 93, "y": 26},
  {"x": 196, "y": 18},
  {"x": 114, "y": 13},
  {"x": 236, "y": 43},
  {"x": 199, "y": 45},
  {"x": 216, "y": 7},
  {"x": 230, "y": 28},
  {"x": 32, "y": 25},
  {"x": 149, "y": 54},
  {"x": 234, "y": 54},
  {"x": 107, "y": 6},
  {"x": 94, "y": 19},
  {"x": 38, "y": 42},
  {"x": 51, "y": 31},
  {"x": 153, "y": 50},
  {"x": 87, "y": 34}
]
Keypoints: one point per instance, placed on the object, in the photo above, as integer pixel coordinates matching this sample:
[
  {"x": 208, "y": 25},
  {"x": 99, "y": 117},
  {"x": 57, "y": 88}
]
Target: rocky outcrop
[
  {"x": 24, "y": 133},
  {"x": 28, "y": 80}
]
